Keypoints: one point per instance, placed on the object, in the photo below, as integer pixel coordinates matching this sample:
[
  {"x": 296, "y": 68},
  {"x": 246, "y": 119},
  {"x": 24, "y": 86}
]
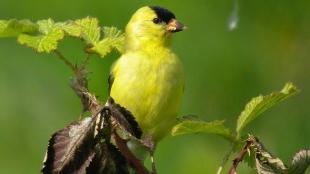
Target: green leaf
[
  {"x": 113, "y": 39},
  {"x": 90, "y": 30},
  {"x": 191, "y": 126},
  {"x": 70, "y": 28},
  {"x": 261, "y": 103},
  {"x": 45, "y": 42},
  {"x": 13, "y": 27},
  {"x": 45, "y": 35},
  {"x": 300, "y": 162}
]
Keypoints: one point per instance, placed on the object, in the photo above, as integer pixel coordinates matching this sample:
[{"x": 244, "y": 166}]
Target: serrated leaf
[
  {"x": 268, "y": 164},
  {"x": 42, "y": 43},
  {"x": 261, "y": 103},
  {"x": 90, "y": 30},
  {"x": 46, "y": 26},
  {"x": 70, "y": 28},
  {"x": 300, "y": 162},
  {"x": 199, "y": 126},
  {"x": 13, "y": 27},
  {"x": 85, "y": 147},
  {"x": 71, "y": 149},
  {"x": 113, "y": 39},
  {"x": 45, "y": 42},
  {"x": 124, "y": 119},
  {"x": 45, "y": 35}
]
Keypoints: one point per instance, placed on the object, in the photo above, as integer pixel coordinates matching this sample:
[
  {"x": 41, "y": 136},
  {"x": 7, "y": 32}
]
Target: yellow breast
[{"x": 150, "y": 86}]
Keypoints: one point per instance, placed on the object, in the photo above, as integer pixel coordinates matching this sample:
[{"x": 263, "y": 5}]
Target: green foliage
[
  {"x": 264, "y": 161},
  {"x": 113, "y": 38},
  {"x": 44, "y": 36},
  {"x": 91, "y": 33},
  {"x": 90, "y": 30},
  {"x": 47, "y": 41},
  {"x": 13, "y": 27},
  {"x": 70, "y": 28},
  {"x": 260, "y": 104},
  {"x": 252, "y": 110},
  {"x": 189, "y": 126}
]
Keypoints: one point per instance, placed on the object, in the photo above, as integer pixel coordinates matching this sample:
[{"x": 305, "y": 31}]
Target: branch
[
  {"x": 79, "y": 84},
  {"x": 134, "y": 161},
  {"x": 66, "y": 61},
  {"x": 225, "y": 159},
  {"x": 240, "y": 156}
]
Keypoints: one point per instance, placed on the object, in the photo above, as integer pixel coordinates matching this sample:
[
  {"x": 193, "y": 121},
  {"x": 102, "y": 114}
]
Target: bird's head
[{"x": 151, "y": 26}]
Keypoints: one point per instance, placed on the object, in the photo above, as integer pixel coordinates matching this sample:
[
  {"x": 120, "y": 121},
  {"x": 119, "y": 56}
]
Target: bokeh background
[{"x": 224, "y": 70}]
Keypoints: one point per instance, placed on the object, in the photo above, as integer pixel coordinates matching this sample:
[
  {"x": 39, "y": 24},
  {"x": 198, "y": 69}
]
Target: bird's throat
[{"x": 146, "y": 42}]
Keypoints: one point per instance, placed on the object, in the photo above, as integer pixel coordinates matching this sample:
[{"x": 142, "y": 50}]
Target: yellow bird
[{"x": 148, "y": 78}]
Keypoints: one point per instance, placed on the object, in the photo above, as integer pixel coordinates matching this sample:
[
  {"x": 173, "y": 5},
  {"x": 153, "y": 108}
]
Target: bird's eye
[{"x": 157, "y": 20}]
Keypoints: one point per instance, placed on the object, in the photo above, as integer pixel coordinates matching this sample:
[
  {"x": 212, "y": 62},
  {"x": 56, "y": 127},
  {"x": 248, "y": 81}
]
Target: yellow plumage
[{"x": 148, "y": 78}]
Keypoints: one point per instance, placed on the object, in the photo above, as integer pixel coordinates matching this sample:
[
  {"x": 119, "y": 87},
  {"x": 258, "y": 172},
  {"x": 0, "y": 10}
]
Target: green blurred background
[{"x": 224, "y": 70}]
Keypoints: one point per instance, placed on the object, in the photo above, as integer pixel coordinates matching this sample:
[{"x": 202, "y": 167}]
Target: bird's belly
[{"x": 151, "y": 94}]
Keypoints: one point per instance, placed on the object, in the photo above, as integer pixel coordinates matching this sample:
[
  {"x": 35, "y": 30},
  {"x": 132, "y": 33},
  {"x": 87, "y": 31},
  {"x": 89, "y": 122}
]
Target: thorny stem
[
  {"x": 240, "y": 156},
  {"x": 135, "y": 162},
  {"x": 80, "y": 85},
  {"x": 85, "y": 62}
]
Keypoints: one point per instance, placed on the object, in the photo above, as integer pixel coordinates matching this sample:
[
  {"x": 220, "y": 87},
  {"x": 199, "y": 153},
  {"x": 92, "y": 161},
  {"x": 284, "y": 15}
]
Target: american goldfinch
[{"x": 148, "y": 78}]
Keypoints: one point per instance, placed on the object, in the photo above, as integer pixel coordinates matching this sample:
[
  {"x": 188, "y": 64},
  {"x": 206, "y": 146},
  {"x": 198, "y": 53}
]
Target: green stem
[
  {"x": 225, "y": 159},
  {"x": 66, "y": 61}
]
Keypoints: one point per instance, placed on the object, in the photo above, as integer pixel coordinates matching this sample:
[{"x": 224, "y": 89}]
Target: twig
[
  {"x": 66, "y": 61},
  {"x": 134, "y": 162},
  {"x": 225, "y": 159},
  {"x": 240, "y": 156},
  {"x": 79, "y": 84}
]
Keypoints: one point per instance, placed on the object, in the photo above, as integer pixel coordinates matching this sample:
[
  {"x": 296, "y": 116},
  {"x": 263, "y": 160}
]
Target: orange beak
[{"x": 175, "y": 26}]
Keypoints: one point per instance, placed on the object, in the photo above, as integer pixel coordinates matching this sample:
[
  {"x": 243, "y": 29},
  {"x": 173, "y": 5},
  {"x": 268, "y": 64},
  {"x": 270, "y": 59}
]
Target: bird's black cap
[{"x": 163, "y": 14}]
